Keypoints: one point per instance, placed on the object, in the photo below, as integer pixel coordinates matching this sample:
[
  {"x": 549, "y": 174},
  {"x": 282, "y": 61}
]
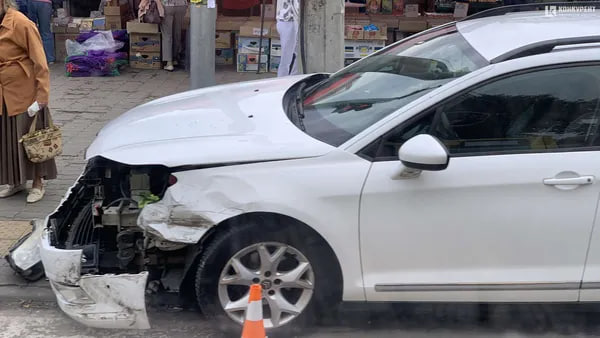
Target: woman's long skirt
[{"x": 15, "y": 167}]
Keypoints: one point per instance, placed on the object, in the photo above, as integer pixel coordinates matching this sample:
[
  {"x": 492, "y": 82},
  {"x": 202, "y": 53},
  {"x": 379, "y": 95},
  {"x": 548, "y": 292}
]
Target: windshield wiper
[{"x": 300, "y": 106}]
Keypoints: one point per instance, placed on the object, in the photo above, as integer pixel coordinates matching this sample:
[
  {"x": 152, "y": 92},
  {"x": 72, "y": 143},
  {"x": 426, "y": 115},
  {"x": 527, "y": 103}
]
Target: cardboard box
[
  {"x": 227, "y": 23},
  {"x": 144, "y": 42},
  {"x": 275, "y": 47},
  {"x": 86, "y": 25},
  {"x": 113, "y": 22},
  {"x": 412, "y": 25},
  {"x": 60, "y": 45},
  {"x": 251, "y": 29},
  {"x": 223, "y": 39},
  {"x": 247, "y": 68},
  {"x": 73, "y": 28},
  {"x": 359, "y": 49},
  {"x": 381, "y": 34},
  {"x": 224, "y": 56},
  {"x": 411, "y": 10},
  {"x": 116, "y": 10},
  {"x": 249, "y": 62},
  {"x": 57, "y": 28},
  {"x": 99, "y": 24},
  {"x": 387, "y": 7},
  {"x": 145, "y": 60},
  {"x": 251, "y": 45},
  {"x": 354, "y": 32},
  {"x": 252, "y": 59},
  {"x": 274, "y": 64},
  {"x": 135, "y": 26}
]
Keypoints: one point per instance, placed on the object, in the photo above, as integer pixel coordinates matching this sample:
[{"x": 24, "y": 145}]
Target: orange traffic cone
[{"x": 254, "y": 326}]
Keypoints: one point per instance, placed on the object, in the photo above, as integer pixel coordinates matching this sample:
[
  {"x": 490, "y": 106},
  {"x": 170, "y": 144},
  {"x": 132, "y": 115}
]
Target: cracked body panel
[{"x": 184, "y": 216}]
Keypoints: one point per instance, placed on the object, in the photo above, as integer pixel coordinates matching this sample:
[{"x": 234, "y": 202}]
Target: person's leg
[
  {"x": 177, "y": 29},
  {"x": 286, "y": 33},
  {"x": 32, "y": 11},
  {"x": 44, "y": 16},
  {"x": 294, "y": 42},
  {"x": 166, "y": 28}
]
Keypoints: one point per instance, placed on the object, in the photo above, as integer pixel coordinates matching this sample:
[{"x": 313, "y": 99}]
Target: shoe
[
  {"x": 169, "y": 68},
  {"x": 51, "y": 62},
  {"x": 11, "y": 190},
  {"x": 36, "y": 195}
]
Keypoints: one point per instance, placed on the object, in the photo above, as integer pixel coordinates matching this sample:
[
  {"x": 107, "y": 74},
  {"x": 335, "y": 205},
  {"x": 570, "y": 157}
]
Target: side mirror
[{"x": 422, "y": 152}]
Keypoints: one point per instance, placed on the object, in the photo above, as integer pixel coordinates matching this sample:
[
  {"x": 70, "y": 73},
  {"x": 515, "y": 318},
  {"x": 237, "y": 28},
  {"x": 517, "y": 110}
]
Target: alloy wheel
[{"x": 286, "y": 277}]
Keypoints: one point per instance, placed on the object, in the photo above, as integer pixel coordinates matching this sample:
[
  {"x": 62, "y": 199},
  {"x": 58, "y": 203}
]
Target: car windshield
[{"x": 355, "y": 98}]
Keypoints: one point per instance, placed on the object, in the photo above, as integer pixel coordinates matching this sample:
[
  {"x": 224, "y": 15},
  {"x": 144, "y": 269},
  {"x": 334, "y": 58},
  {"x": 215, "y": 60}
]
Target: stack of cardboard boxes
[
  {"x": 250, "y": 47},
  {"x": 363, "y": 38},
  {"x": 116, "y": 15},
  {"x": 144, "y": 45}
]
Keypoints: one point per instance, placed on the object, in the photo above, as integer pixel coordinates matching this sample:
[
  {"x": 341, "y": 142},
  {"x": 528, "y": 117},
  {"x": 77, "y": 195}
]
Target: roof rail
[
  {"x": 536, "y": 6},
  {"x": 543, "y": 47}
]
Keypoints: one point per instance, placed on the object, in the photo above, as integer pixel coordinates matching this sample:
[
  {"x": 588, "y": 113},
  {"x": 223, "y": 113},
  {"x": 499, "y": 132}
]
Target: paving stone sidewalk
[{"x": 81, "y": 107}]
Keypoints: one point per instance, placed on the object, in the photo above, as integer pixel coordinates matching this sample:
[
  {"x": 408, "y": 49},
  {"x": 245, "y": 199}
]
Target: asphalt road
[{"x": 44, "y": 319}]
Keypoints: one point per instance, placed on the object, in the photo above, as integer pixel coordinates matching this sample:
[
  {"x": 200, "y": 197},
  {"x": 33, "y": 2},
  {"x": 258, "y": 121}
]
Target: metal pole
[
  {"x": 262, "y": 27},
  {"x": 203, "y": 22}
]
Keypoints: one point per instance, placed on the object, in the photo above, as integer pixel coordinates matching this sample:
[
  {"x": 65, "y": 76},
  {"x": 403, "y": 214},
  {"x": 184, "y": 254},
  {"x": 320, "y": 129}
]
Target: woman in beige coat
[{"x": 24, "y": 80}]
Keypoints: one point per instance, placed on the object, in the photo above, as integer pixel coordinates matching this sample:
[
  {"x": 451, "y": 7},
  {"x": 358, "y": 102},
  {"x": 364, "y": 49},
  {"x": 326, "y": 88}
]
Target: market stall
[{"x": 246, "y": 36}]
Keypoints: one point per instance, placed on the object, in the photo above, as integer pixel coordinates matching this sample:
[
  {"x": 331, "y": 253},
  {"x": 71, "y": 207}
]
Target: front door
[{"x": 510, "y": 218}]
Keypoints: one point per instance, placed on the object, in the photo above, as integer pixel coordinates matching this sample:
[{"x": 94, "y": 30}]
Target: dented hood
[{"x": 242, "y": 122}]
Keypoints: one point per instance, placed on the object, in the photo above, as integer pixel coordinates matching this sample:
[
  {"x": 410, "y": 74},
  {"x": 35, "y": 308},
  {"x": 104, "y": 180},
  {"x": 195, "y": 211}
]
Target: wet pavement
[{"x": 22, "y": 318}]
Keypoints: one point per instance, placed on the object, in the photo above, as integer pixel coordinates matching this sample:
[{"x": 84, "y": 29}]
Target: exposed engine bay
[{"x": 100, "y": 218}]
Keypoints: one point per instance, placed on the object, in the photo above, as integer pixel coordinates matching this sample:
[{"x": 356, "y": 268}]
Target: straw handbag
[{"x": 44, "y": 144}]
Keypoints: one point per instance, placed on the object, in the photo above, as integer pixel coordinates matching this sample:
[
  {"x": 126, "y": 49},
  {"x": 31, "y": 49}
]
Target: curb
[{"x": 26, "y": 292}]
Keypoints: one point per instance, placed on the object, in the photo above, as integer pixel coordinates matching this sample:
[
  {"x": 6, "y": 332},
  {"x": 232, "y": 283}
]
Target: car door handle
[{"x": 582, "y": 180}]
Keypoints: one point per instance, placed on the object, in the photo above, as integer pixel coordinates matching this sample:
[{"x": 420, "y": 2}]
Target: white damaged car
[{"x": 443, "y": 168}]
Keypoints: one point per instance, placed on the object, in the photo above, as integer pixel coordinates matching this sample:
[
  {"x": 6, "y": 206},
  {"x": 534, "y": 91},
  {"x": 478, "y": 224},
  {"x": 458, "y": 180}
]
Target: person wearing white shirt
[{"x": 288, "y": 18}]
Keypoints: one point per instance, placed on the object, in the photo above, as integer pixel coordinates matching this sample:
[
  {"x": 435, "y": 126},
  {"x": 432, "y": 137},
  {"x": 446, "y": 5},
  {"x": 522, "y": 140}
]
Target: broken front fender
[{"x": 182, "y": 216}]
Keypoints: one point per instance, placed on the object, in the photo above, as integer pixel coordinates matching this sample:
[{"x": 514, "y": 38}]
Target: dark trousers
[{"x": 41, "y": 13}]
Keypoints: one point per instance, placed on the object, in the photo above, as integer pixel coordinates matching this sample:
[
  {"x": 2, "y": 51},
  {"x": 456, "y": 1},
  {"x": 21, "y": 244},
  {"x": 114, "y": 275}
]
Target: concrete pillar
[
  {"x": 324, "y": 35},
  {"x": 203, "y": 21}
]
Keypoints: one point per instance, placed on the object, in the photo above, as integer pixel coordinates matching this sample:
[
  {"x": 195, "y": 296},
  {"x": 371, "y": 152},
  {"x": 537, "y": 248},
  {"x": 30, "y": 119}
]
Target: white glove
[{"x": 33, "y": 109}]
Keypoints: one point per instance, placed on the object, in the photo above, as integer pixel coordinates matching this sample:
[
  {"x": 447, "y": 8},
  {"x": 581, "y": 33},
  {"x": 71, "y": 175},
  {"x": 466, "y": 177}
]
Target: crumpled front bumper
[{"x": 102, "y": 301}]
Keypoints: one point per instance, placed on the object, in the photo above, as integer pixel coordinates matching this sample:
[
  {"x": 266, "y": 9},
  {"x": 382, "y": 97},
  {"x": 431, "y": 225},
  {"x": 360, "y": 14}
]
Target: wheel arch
[{"x": 271, "y": 221}]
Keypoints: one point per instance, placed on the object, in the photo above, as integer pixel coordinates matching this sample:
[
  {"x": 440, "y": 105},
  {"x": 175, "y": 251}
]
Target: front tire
[{"x": 295, "y": 269}]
